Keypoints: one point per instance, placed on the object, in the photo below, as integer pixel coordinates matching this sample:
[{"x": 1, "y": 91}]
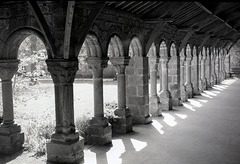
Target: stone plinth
[
  {"x": 65, "y": 152},
  {"x": 166, "y": 100},
  {"x": 154, "y": 106},
  {"x": 123, "y": 121},
  {"x": 99, "y": 131},
  {"x": 11, "y": 139}
]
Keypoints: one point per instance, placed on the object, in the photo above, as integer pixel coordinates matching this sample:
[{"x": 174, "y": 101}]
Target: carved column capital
[
  {"x": 62, "y": 71},
  {"x": 120, "y": 63},
  {"x": 97, "y": 64},
  {"x": 164, "y": 59},
  {"x": 8, "y": 68}
]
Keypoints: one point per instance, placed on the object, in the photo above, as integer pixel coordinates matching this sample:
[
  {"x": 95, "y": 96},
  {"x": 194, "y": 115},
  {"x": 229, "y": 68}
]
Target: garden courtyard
[{"x": 197, "y": 132}]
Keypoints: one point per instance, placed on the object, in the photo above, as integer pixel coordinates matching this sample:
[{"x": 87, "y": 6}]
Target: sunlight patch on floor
[
  {"x": 182, "y": 116},
  {"x": 114, "y": 154},
  {"x": 188, "y": 107},
  {"x": 138, "y": 145},
  {"x": 169, "y": 119},
  {"x": 204, "y": 101},
  {"x": 210, "y": 93},
  {"x": 206, "y": 95},
  {"x": 195, "y": 103},
  {"x": 157, "y": 126},
  {"x": 214, "y": 87}
]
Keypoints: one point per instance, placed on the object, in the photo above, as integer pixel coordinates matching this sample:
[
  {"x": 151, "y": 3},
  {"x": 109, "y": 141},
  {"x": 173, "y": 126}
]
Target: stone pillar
[
  {"x": 227, "y": 66},
  {"x": 223, "y": 68},
  {"x": 203, "y": 76},
  {"x": 188, "y": 83},
  {"x": 122, "y": 124},
  {"x": 182, "y": 79},
  {"x": 217, "y": 69},
  {"x": 174, "y": 79},
  {"x": 165, "y": 95},
  {"x": 65, "y": 146},
  {"x": 154, "y": 101},
  {"x": 137, "y": 78},
  {"x": 99, "y": 131},
  {"x": 214, "y": 79},
  {"x": 11, "y": 138},
  {"x": 209, "y": 84}
]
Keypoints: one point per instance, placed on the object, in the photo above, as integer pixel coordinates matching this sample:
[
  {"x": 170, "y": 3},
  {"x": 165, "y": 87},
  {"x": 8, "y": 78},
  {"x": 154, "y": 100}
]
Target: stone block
[
  {"x": 68, "y": 152},
  {"x": 11, "y": 140},
  {"x": 137, "y": 100},
  {"x": 99, "y": 135},
  {"x": 122, "y": 124},
  {"x": 154, "y": 106},
  {"x": 142, "y": 120},
  {"x": 166, "y": 103},
  {"x": 132, "y": 90},
  {"x": 142, "y": 90},
  {"x": 142, "y": 71},
  {"x": 129, "y": 70}
]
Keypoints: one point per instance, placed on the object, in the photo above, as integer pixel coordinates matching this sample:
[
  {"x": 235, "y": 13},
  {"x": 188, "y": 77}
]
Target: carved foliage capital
[
  {"x": 62, "y": 71},
  {"x": 97, "y": 64},
  {"x": 8, "y": 68}
]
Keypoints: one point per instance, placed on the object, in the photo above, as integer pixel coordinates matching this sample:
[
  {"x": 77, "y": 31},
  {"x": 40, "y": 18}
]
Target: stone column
[
  {"x": 223, "y": 68},
  {"x": 209, "y": 71},
  {"x": 188, "y": 83},
  {"x": 165, "y": 95},
  {"x": 182, "y": 79},
  {"x": 203, "y": 76},
  {"x": 154, "y": 101},
  {"x": 65, "y": 146},
  {"x": 214, "y": 80},
  {"x": 99, "y": 131},
  {"x": 227, "y": 62},
  {"x": 122, "y": 124},
  {"x": 11, "y": 138}
]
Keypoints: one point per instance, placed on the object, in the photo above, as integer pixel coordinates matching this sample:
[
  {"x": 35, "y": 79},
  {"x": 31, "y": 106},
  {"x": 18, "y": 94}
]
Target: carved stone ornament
[
  {"x": 62, "y": 71},
  {"x": 120, "y": 63},
  {"x": 97, "y": 64},
  {"x": 8, "y": 68}
]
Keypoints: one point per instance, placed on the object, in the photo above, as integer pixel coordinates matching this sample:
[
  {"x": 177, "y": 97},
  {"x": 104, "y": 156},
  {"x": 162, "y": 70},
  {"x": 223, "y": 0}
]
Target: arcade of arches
[{"x": 186, "y": 45}]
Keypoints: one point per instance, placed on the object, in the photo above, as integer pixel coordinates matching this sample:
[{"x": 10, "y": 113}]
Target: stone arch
[
  {"x": 173, "y": 50},
  {"x": 194, "y": 51},
  {"x": 92, "y": 46},
  {"x": 115, "y": 47},
  {"x": 163, "y": 49},
  {"x": 152, "y": 51},
  {"x": 135, "y": 47},
  {"x": 188, "y": 50},
  {"x": 10, "y": 49}
]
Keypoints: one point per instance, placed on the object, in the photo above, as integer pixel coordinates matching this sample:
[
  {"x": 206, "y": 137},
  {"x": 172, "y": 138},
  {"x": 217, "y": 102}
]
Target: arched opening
[
  {"x": 154, "y": 86},
  {"x": 32, "y": 85},
  {"x": 163, "y": 49}
]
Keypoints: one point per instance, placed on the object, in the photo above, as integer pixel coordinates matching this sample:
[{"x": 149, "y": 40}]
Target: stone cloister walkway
[{"x": 204, "y": 130}]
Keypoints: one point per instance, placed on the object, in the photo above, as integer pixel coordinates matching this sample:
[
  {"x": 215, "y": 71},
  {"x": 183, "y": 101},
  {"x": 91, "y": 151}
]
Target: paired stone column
[
  {"x": 122, "y": 124},
  {"x": 154, "y": 101},
  {"x": 203, "y": 76},
  {"x": 165, "y": 95},
  {"x": 99, "y": 131},
  {"x": 188, "y": 84},
  {"x": 66, "y": 146},
  {"x": 11, "y": 138},
  {"x": 182, "y": 79}
]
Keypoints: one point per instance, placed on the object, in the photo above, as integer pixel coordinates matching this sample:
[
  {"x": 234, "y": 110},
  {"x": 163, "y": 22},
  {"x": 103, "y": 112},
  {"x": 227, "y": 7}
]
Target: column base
[
  {"x": 166, "y": 100},
  {"x": 189, "y": 90},
  {"x": 11, "y": 140},
  {"x": 184, "y": 96},
  {"x": 65, "y": 152},
  {"x": 176, "y": 102},
  {"x": 122, "y": 124},
  {"x": 142, "y": 120},
  {"x": 99, "y": 131},
  {"x": 154, "y": 106}
]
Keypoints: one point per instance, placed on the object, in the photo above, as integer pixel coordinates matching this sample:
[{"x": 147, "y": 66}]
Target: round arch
[
  {"x": 135, "y": 47},
  {"x": 14, "y": 40},
  {"x": 152, "y": 51},
  {"x": 115, "y": 47},
  {"x": 92, "y": 46},
  {"x": 173, "y": 50},
  {"x": 163, "y": 49}
]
